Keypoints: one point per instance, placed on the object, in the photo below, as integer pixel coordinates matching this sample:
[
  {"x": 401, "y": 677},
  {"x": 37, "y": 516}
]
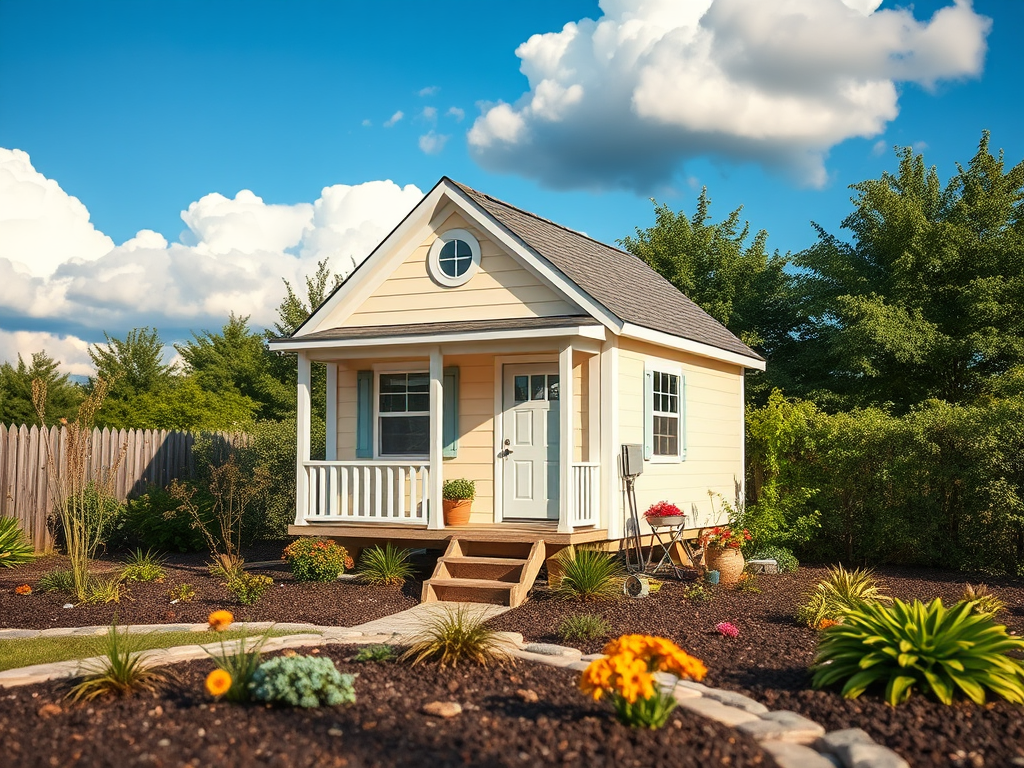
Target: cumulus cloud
[
  {"x": 457, "y": 113},
  {"x": 231, "y": 257},
  {"x": 623, "y": 100},
  {"x": 430, "y": 90},
  {"x": 394, "y": 119},
  {"x": 71, "y": 351},
  {"x": 431, "y": 143},
  {"x": 429, "y": 114}
]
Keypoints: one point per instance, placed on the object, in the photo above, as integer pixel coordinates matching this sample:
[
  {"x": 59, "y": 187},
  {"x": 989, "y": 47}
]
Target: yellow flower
[
  {"x": 218, "y": 682},
  {"x": 220, "y": 620}
]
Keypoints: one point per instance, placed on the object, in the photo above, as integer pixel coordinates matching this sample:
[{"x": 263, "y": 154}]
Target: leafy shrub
[
  {"x": 588, "y": 574},
  {"x": 982, "y": 600},
  {"x": 700, "y": 593},
  {"x": 385, "y": 566},
  {"x": 183, "y": 593},
  {"x": 15, "y": 548},
  {"x": 123, "y": 670},
  {"x": 143, "y": 566},
  {"x": 302, "y": 681},
  {"x": 379, "y": 652},
  {"x": 458, "y": 489},
  {"x": 455, "y": 635},
  {"x": 916, "y": 645},
  {"x": 315, "y": 559},
  {"x": 837, "y": 594},
  {"x": 583, "y": 626},
  {"x": 784, "y": 558},
  {"x": 153, "y": 521},
  {"x": 57, "y": 580},
  {"x": 248, "y": 588}
]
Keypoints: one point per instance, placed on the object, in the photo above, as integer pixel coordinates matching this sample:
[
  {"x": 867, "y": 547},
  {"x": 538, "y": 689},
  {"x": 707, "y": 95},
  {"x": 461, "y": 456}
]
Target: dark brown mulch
[
  {"x": 339, "y": 603},
  {"x": 769, "y": 659},
  {"x": 383, "y": 728}
]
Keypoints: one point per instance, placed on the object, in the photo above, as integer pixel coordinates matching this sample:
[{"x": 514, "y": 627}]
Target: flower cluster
[
  {"x": 728, "y": 629},
  {"x": 314, "y": 559},
  {"x": 220, "y": 620},
  {"x": 663, "y": 509},
  {"x": 631, "y": 660},
  {"x": 24, "y": 589},
  {"x": 724, "y": 537}
]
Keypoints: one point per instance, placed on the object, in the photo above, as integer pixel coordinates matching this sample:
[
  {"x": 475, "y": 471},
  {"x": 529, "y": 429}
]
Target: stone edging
[{"x": 792, "y": 739}]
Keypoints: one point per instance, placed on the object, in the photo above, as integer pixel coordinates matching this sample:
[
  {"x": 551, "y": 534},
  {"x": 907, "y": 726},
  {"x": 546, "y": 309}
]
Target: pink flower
[{"x": 727, "y": 629}]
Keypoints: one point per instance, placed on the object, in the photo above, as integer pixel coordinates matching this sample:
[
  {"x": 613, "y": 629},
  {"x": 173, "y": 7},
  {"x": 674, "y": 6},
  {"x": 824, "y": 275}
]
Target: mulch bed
[
  {"x": 769, "y": 659},
  {"x": 501, "y": 725},
  {"x": 339, "y": 603}
]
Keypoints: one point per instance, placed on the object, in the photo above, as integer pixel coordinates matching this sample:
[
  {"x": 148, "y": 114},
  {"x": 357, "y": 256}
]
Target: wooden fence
[{"x": 151, "y": 457}]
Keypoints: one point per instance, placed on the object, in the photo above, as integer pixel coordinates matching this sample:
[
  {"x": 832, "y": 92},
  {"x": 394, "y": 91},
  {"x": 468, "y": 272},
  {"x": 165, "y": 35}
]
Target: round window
[{"x": 454, "y": 257}]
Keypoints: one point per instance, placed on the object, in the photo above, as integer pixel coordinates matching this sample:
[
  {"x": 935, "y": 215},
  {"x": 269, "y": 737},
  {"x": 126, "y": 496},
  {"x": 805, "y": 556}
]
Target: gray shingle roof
[{"x": 621, "y": 282}]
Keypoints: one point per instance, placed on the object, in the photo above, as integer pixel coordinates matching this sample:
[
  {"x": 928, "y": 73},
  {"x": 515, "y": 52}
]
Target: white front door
[{"x": 530, "y": 452}]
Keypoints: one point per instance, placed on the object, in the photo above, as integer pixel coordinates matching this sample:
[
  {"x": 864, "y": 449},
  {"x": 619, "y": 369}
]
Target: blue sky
[{"x": 142, "y": 109}]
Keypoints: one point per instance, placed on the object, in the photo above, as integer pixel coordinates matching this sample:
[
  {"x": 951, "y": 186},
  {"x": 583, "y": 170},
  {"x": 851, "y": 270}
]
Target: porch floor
[{"x": 363, "y": 534}]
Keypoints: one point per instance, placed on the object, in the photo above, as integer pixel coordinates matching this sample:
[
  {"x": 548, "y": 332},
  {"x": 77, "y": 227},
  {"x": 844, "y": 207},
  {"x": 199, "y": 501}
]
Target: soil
[
  {"x": 338, "y": 603},
  {"x": 503, "y": 724},
  {"x": 769, "y": 659}
]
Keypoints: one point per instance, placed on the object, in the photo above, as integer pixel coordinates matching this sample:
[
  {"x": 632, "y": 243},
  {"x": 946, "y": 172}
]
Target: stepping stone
[
  {"x": 738, "y": 700},
  {"x": 855, "y": 749},
  {"x": 550, "y": 649},
  {"x": 784, "y": 726},
  {"x": 763, "y": 566},
  {"x": 717, "y": 711},
  {"x": 789, "y": 755}
]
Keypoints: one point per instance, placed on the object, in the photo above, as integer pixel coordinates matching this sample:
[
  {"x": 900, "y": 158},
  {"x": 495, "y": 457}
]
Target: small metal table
[{"x": 665, "y": 538}]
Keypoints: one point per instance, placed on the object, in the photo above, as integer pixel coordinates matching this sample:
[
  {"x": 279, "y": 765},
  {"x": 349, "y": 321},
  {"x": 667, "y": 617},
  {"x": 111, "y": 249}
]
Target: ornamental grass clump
[
  {"x": 302, "y": 681},
  {"x": 123, "y": 670},
  {"x": 15, "y": 548},
  {"x": 386, "y": 566},
  {"x": 912, "y": 645},
  {"x": 143, "y": 566},
  {"x": 982, "y": 600},
  {"x": 588, "y": 574},
  {"x": 626, "y": 678},
  {"x": 314, "y": 559},
  {"x": 57, "y": 580},
  {"x": 583, "y": 626},
  {"x": 840, "y": 592},
  {"x": 453, "y": 636}
]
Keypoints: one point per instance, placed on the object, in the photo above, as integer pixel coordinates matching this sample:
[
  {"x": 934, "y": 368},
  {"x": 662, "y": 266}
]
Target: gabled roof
[{"x": 620, "y": 281}]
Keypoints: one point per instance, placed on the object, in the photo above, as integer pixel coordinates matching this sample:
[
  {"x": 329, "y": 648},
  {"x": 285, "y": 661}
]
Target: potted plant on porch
[
  {"x": 457, "y": 499},
  {"x": 664, "y": 513},
  {"x": 722, "y": 552}
]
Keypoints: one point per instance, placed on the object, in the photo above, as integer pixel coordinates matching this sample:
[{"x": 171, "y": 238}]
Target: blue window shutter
[
  {"x": 364, "y": 415},
  {"x": 648, "y": 414},
  {"x": 450, "y": 413},
  {"x": 682, "y": 418}
]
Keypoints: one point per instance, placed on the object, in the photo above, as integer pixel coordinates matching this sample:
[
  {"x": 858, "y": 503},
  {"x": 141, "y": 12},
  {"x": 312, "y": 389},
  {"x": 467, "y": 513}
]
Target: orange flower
[
  {"x": 826, "y": 623},
  {"x": 218, "y": 682},
  {"x": 24, "y": 589},
  {"x": 220, "y": 620}
]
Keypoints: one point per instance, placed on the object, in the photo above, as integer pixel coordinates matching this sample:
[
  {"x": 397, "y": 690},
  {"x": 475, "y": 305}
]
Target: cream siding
[{"x": 501, "y": 288}]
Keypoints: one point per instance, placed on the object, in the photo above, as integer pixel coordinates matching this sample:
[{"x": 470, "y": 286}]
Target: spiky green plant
[
  {"x": 385, "y": 566},
  {"x": 583, "y": 626},
  {"x": 588, "y": 574},
  {"x": 121, "y": 672},
  {"x": 453, "y": 636},
  {"x": 906, "y": 645},
  {"x": 143, "y": 566},
  {"x": 377, "y": 652},
  {"x": 57, "y": 580},
  {"x": 838, "y": 593},
  {"x": 15, "y": 548},
  {"x": 104, "y": 590},
  {"x": 982, "y": 600},
  {"x": 240, "y": 659}
]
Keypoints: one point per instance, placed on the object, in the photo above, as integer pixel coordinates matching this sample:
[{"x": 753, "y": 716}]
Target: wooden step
[
  {"x": 475, "y": 573},
  {"x": 474, "y": 583},
  {"x": 481, "y": 559}
]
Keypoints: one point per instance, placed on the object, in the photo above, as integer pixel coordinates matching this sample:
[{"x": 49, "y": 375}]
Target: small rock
[
  {"x": 164, "y": 743},
  {"x": 156, "y": 711},
  {"x": 529, "y": 696},
  {"x": 48, "y": 710},
  {"x": 201, "y": 732},
  {"x": 335, "y": 732},
  {"x": 288, "y": 652},
  {"x": 444, "y": 709},
  {"x": 550, "y": 649},
  {"x": 453, "y": 686},
  {"x": 174, "y": 602},
  {"x": 69, "y": 605}
]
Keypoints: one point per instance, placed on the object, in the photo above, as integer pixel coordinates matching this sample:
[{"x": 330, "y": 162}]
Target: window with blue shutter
[
  {"x": 364, "y": 415},
  {"x": 450, "y": 413}
]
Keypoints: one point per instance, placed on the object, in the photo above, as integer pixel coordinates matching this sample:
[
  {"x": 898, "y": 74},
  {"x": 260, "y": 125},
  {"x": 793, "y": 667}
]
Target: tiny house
[{"x": 484, "y": 342}]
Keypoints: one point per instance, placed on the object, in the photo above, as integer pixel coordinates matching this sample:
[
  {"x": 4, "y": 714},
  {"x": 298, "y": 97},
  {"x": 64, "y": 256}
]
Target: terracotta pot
[
  {"x": 456, "y": 512},
  {"x": 728, "y": 562}
]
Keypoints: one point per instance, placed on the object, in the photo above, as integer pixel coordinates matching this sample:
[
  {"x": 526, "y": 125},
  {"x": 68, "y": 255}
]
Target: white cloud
[
  {"x": 879, "y": 147},
  {"x": 394, "y": 119},
  {"x": 367, "y": 123},
  {"x": 432, "y": 143},
  {"x": 621, "y": 101},
  {"x": 456, "y": 112},
  {"x": 231, "y": 258},
  {"x": 430, "y": 90},
  {"x": 429, "y": 114},
  {"x": 71, "y": 351}
]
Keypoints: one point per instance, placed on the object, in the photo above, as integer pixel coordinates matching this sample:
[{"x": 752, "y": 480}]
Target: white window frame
[
  {"x": 377, "y": 416},
  {"x": 434, "y": 258},
  {"x": 672, "y": 369}
]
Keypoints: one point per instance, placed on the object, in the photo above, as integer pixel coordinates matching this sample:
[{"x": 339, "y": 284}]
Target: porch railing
[
  {"x": 586, "y": 496},
  {"x": 367, "y": 492}
]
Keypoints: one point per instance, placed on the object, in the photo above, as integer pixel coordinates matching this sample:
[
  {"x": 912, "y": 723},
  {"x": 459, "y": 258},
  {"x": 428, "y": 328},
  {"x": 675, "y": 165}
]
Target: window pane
[
  {"x": 392, "y": 382},
  {"x": 455, "y": 258},
  {"x": 419, "y": 382},
  {"x": 538, "y": 388},
  {"x": 666, "y": 436},
  {"x": 392, "y": 404},
  {"x": 522, "y": 387},
  {"x": 419, "y": 402},
  {"x": 405, "y": 435},
  {"x": 552, "y": 387}
]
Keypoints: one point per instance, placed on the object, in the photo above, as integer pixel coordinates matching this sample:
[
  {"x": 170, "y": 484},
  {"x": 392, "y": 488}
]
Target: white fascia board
[
  {"x": 536, "y": 263},
  {"x": 638, "y": 332},
  {"x": 377, "y": 267},
  {"x": 297, "y": 343}
]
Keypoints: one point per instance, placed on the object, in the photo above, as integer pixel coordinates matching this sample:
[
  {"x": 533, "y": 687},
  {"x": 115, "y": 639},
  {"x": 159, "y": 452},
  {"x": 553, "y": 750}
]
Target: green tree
[
  {"x": 182, "y": 404},
  {"x": 62, "y": 396},
  {"x": 924, "y": 302},
  {"x": 133, "y": 365}
]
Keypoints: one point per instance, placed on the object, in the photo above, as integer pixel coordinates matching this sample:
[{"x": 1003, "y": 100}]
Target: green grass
[{"x": 44, "y": 650}]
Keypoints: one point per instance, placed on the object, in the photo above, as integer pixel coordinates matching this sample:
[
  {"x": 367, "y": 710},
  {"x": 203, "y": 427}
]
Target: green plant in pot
[{"x": 457, "y": 499}]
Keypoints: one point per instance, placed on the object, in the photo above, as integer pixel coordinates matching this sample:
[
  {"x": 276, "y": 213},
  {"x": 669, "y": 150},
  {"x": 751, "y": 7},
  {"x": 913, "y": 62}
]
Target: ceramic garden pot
[
  {"x": 672, "y": 520},
  {"x": 456, "y": 512},
  {"x": 728, "y": 562}
]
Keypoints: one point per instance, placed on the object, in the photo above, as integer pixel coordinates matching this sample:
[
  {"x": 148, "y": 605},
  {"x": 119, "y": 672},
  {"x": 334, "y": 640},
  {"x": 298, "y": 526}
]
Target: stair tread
[
  {"x": 482, "y": 583},
  {"x": 475, "y": 559}
]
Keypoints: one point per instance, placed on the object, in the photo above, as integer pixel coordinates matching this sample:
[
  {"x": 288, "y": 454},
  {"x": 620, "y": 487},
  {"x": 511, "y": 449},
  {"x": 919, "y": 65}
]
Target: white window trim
[
  {"x": 375, "y": 395},
  {"x": 672, "y": 369},
  {"x": 434, "y": 256}
]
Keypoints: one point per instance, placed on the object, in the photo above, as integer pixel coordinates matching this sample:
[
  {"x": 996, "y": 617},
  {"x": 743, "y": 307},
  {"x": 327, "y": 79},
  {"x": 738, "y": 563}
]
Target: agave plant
[
  {"x": 841, "y": 591},
  {"x": 906, "y": 645},
  {"x": 15, "y": 548},
  {"x": 982, "y": 600},
  {"x": 385, "y": 566}
]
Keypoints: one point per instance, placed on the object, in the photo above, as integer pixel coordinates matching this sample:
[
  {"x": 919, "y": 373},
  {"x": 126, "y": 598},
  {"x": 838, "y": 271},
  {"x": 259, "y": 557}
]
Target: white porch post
[
  {"x": 611, "y": 482},
  {"x": 566, "y": 438},
  {"x": 331, "y": 453},
  {"x": 435, "y": 513},
  {"x": 302, "y": 428}
]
